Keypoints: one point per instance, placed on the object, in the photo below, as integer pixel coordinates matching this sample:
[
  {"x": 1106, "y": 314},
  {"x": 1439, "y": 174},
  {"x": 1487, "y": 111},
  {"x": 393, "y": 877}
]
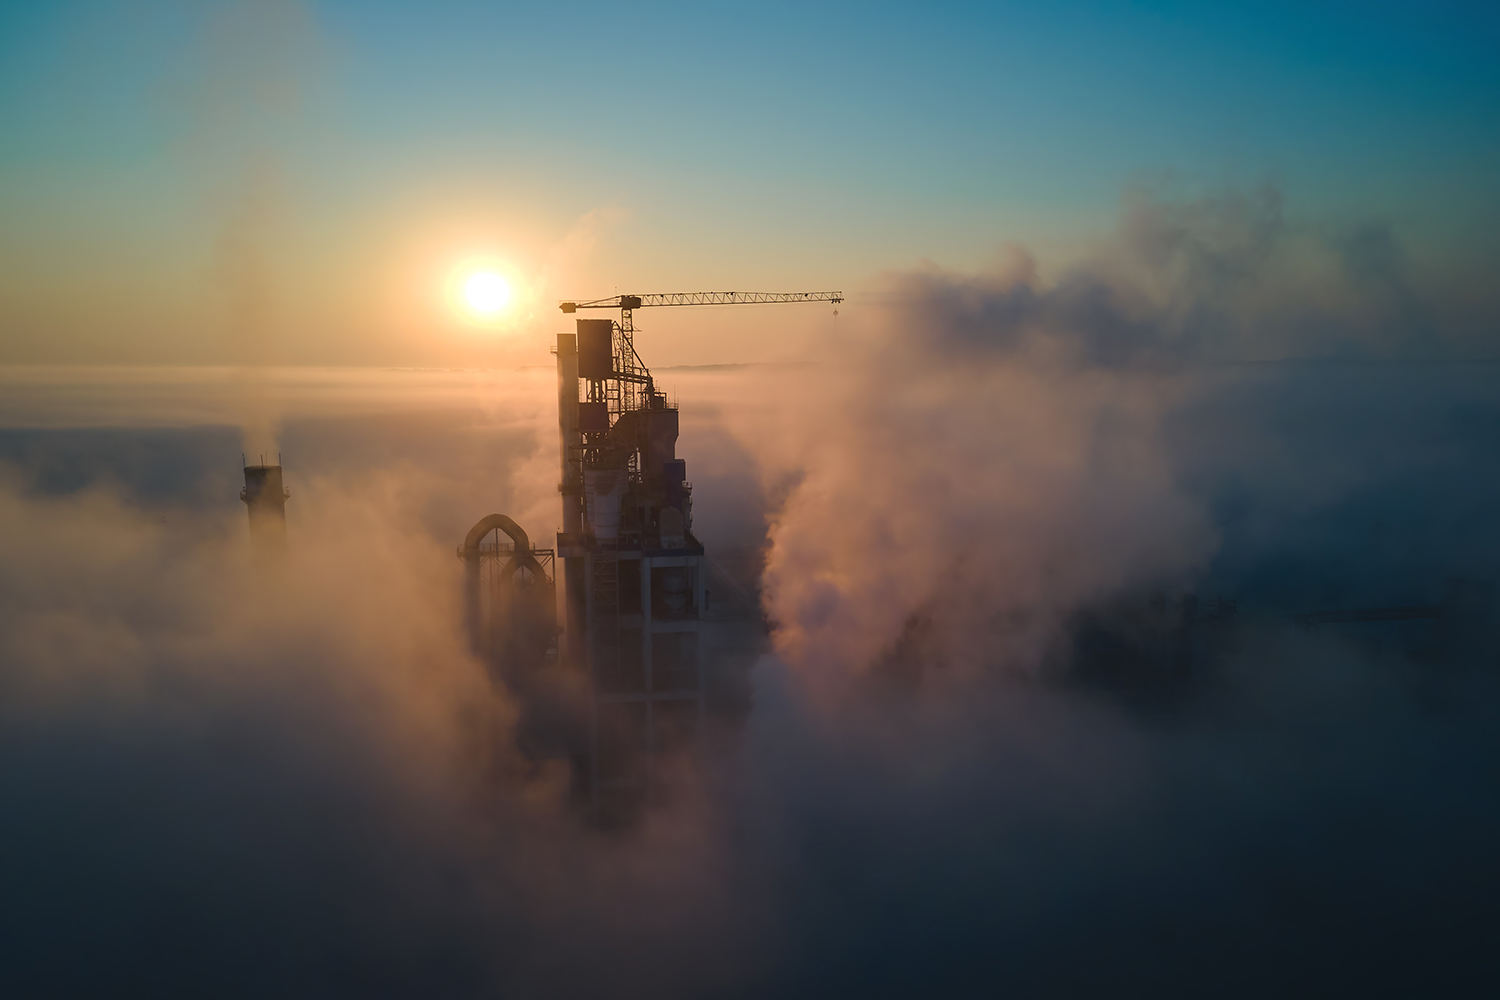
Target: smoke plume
[
  {"x": 246, "y": 91},
  {"x": 991, "y": 453}
]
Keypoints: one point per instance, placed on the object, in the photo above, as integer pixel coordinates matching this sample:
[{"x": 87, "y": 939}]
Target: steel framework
[{"x": 630, "y": 386}]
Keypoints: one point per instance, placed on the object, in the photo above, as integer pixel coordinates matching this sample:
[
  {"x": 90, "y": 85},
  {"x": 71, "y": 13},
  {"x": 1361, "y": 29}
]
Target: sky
[{"x": 298, "y": 183}]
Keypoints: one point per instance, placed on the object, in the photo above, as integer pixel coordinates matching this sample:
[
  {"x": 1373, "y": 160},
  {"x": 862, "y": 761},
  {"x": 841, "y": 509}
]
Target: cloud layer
[{"x": 231, "y": 778}]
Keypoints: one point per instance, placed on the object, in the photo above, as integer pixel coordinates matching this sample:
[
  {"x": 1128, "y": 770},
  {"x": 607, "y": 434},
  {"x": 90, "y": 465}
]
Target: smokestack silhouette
[{"x": 266, "y": 497}]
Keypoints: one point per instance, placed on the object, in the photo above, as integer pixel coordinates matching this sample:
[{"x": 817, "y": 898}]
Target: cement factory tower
[
  {"x": 634, "y": 573},
  {"x": 266, "y": 497}
]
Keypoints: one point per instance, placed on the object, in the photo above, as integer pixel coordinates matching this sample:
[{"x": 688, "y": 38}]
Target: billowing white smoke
[
  {"x": 985, "y": 454},
  {"x": 989, "y": 500}
]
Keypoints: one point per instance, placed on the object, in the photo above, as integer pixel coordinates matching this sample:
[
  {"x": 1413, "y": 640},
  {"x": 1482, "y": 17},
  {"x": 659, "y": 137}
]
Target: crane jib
[{"x": 630, "y": 302}]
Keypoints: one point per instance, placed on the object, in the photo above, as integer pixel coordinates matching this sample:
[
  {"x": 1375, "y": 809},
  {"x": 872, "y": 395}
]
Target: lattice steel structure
[{"x": 630, "y": 302}]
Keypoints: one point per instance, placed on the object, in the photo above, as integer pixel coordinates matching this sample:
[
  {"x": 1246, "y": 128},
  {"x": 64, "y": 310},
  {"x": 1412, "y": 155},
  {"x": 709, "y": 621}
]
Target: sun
[{"x": 486, "y": 292}]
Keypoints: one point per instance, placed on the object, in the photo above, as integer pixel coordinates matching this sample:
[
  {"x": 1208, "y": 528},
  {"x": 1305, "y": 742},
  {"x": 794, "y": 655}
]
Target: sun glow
[{"x": 486, "y": 292}]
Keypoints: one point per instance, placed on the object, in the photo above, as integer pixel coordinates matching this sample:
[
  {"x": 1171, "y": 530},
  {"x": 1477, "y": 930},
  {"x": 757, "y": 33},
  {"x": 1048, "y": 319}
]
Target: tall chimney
[
  {"x": 570, "y": 539},
  {"x": 569, "y": 439},
  {"x": 266, "y": 498}
]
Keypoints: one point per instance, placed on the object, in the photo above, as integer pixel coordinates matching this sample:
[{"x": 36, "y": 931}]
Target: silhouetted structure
[
  {"x": 510, "y": 602},
  {"x": 634, "y": 573},
  {"x": 265, "y": 498},
  {"x": 1462, "y": 629},
  {"x": 1316, "y": 618}
]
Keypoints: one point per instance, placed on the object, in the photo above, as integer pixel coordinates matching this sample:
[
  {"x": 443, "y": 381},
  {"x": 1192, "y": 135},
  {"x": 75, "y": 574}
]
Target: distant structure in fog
[
  {"x": 634, "y": 574},
  {"x": 266, "y": 497},
  {"x": 1462, "y": 627},
  {"x": 510, "y": 611},
  {"x": 510, "y": 602}
]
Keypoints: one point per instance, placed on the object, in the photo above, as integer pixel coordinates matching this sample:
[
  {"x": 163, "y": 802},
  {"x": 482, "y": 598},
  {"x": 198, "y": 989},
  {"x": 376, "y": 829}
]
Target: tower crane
[{"x": 630, "y": 368}]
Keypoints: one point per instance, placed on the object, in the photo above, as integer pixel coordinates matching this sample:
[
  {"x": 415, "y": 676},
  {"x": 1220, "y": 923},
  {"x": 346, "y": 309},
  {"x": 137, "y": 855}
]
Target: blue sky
[{"x": 717, "y": 145}]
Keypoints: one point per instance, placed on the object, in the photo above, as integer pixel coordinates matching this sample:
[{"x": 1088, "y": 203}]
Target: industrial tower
[
  {"x": 633, "y": 571},
  {"x": 265, "y": 500}
]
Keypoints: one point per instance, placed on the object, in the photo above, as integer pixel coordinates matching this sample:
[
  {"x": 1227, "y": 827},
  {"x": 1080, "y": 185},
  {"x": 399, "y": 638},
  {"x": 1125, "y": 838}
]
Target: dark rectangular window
[
  {"x": 630, "y": 586},
  {"x": 618, "y": 663}
]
